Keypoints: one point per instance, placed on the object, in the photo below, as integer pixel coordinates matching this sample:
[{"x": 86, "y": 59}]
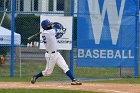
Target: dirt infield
[{"x": 96, "y": 87}]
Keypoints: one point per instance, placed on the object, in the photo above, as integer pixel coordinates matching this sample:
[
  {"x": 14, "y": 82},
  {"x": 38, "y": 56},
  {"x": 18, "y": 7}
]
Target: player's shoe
[
  {"x": 76, "y": 82},
  {"x": 33, "y": 80}
]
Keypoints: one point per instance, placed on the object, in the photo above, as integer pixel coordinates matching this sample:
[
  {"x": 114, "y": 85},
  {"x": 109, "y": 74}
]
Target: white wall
[{"x": 27, "y": 5}]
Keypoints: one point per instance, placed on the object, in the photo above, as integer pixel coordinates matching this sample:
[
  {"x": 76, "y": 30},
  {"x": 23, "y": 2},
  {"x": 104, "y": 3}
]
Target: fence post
[
  {"x": 138, "y": 28},
  {"x": 71, "y": 51},
  {"x": 136, "y": 68},
  {"x": 12, "y": 38}
]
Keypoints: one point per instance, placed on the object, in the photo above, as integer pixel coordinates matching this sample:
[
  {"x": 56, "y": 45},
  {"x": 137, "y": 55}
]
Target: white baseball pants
[{"x": 52, "y": 59}]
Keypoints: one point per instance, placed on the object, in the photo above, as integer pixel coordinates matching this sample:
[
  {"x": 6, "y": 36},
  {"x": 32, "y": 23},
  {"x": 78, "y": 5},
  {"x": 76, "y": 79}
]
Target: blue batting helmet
[{"x": 45, "y": 23}]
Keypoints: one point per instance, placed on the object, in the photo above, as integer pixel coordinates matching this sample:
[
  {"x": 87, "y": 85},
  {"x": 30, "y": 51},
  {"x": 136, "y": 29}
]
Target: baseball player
[{"x": 52, "y": 55}]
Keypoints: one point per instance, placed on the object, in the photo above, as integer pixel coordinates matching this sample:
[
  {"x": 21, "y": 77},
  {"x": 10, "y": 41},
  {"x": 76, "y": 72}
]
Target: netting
[{"x": 29, "y": 59}]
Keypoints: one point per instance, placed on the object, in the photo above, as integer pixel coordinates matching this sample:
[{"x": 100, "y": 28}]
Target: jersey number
[{"x": 44, "y": 39}]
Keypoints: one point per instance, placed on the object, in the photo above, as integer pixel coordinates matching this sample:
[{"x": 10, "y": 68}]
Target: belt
[{"x": 51, "y": 52}]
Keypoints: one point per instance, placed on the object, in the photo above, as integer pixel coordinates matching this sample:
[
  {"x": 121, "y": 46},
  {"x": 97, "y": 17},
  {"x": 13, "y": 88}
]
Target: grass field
[
  {"x": 45, "y": 79},
  {"x": 28, "y": 69}
]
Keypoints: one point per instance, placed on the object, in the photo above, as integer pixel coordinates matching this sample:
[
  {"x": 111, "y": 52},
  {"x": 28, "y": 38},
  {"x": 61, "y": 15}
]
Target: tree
[{"x": 27, "y": 25}]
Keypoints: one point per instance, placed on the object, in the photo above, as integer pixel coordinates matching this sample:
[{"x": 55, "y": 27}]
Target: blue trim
[
  {"x": 10, "y": 45},
  {"x": 12, "y": 40},
  {"x": 32, "y": 12},
  {"x": 71, "y": 51}
]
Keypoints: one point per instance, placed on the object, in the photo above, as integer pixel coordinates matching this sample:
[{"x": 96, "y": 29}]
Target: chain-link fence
[
  {"x": 97, "y": 19},
  {"x": 28, "y": 58}
]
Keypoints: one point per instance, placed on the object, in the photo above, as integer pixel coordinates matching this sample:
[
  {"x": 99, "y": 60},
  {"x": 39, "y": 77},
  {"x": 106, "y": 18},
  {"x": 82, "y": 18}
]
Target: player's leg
[
  {"x": 51, "y": 60},
  {"x": 62, "y": 64}
]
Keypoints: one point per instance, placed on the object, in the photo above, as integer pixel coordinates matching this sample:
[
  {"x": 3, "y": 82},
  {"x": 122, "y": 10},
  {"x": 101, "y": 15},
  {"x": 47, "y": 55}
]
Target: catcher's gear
[
  {"x": 1, "y": 59},
  {"x": 45, "y": 24}
]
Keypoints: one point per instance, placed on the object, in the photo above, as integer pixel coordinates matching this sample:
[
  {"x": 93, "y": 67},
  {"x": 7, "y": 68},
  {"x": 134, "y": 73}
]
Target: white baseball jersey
[
  {"x": 52, "y": 57},
  {"x": 49, "y": 40}
]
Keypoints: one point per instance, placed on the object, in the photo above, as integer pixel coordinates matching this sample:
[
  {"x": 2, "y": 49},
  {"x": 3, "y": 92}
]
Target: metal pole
[
  {"x": 4, "y": 4},
  {"x": 138, "y": 36},
  {"x": 20, "y": 59},
  {"x": 71, "y": 51},
  {"x": 136, "y": 68},
  {"x": 3, "y": 17},
  {"x": 12, "y": 39}
]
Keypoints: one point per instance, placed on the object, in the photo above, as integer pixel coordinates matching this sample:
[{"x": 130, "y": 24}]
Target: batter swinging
[{"x": 52, "y": 55}]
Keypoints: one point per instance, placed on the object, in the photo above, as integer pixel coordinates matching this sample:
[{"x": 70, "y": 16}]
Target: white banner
[{"x": 64, "y": 24}]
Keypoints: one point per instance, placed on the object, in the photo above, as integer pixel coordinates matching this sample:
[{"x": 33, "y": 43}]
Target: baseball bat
[{"x": 32, "y": 36}]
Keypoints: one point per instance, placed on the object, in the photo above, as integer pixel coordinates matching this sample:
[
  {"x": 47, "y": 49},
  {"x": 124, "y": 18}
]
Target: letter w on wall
[{"x": 97, "y": 18}]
